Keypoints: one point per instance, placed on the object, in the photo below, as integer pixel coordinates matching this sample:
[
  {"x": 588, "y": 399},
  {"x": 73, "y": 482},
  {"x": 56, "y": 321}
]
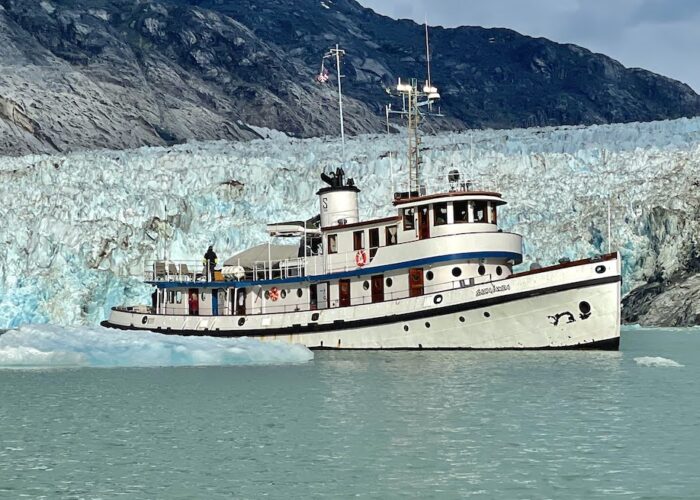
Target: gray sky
[{"x": 659, "y": 35}]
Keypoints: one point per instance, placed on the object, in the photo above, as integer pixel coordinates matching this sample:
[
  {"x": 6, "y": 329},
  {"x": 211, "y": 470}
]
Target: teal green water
[{"x": 366, "y": 424}]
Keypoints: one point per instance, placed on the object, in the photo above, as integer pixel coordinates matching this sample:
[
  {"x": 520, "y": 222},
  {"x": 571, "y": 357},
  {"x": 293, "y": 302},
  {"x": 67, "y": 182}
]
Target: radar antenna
[{"x": 413, "y": 99}]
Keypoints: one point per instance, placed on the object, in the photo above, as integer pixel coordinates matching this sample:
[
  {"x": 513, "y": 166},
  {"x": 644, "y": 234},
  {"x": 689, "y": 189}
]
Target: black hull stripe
[
  {"x": 383, "y": 320},
  {"x": 612, "y": 344}
]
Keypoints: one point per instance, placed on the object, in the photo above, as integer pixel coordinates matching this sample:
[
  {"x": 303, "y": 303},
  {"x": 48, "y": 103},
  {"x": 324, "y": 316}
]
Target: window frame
[
  {"x": 387, "y": 235},
  {"x": 358, "y": 240},
  {"x": 332, "y": 248},
  {"x": 455, "y": 211},
  {"x": 436, "y": 212},
  {"x": 373, "y": 237},
  {"x": 409, "y": 223},
  {"x": 493, "y": 213},
  {"x": 481, "y": 205}
]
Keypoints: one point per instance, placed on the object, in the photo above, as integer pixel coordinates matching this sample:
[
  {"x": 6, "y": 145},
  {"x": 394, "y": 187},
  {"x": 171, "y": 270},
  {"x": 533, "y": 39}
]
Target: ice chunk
[
  {"x": 657, "y": 361},
  {"x": 56, "y": 346}
]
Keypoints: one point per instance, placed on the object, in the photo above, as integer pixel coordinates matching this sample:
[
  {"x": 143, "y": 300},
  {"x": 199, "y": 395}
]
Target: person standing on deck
[{"x": 210, "y": 261}]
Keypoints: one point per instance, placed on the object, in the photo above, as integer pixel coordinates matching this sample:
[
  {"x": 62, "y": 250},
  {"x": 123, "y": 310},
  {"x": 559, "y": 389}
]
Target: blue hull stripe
[{"x": 361, "y": 271}]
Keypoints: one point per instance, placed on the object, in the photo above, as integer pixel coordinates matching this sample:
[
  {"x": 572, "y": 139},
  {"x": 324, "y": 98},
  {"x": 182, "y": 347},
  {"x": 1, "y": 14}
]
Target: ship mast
[
  {"x": 336, "y": 53},
  {"x": 413, "y": 99}
]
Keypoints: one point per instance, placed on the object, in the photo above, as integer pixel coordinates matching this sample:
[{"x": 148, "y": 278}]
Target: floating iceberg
[
  {"x": 53, "y": 346},
  {"x": 78, "y": 229},
  {"x": 657, "y": 361}
]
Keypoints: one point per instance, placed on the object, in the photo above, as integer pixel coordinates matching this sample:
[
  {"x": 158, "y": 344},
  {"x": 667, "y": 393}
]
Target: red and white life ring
[
  {"x": 361, "y": 258},
  {"x": 274, "y": 294}
]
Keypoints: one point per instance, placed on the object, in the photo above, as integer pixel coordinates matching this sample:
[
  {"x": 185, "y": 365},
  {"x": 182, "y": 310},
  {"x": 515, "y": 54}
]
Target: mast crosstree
[{"x": 413, "y": 99}]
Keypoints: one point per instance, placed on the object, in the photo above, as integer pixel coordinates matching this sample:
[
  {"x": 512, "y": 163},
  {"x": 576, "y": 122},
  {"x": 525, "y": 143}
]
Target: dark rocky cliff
[{"x": 81, "y": 74}]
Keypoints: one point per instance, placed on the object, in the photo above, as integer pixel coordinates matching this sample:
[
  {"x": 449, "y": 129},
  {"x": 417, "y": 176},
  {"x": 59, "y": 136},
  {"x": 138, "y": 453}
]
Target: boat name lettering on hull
[{"x": 492, "y": 289}]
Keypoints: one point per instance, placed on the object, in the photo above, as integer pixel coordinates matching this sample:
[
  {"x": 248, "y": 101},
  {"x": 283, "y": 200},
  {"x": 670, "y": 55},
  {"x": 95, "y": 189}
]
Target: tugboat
[{"x": 437, "y": 274}]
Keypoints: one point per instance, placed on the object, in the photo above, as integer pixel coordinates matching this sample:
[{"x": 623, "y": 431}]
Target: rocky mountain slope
[{"x": 83, "y": 74}]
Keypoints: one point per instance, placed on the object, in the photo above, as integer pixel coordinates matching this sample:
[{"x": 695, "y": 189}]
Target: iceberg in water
[
  {"x": 657, "y": 361},
  {"x": 93, "y": 346},
  {"x": 79, "y": 229}
]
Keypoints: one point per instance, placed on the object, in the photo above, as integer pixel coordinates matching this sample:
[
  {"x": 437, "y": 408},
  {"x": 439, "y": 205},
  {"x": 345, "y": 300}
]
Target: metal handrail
[
  {"x": 270, "y": 307},
  {"x": 450, "y": 181}
]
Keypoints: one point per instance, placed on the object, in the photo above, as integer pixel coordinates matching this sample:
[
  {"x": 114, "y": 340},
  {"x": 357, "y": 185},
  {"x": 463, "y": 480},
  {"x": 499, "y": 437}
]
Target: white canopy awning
[{"x": 260, "y": 254}]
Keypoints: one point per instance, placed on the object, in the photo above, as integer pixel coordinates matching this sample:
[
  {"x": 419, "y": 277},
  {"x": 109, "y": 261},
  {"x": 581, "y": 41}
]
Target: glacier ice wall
[{"x": 79, "y": 228}]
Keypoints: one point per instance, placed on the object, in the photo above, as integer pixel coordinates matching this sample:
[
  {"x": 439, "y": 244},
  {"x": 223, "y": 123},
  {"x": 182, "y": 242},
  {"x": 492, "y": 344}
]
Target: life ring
[
  {"x": 274, "y": 294},
  {"x": 361, "y": 258}
]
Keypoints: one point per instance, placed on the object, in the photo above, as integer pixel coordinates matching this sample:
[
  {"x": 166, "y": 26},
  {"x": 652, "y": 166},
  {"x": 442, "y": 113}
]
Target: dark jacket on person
[{"x": 210, "y": 257}]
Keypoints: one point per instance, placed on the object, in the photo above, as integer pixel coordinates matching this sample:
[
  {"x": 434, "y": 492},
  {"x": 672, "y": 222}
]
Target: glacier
[{"x": 78, "y": 229}]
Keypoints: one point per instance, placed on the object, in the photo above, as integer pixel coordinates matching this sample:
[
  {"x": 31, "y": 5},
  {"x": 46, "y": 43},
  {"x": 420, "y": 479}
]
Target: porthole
[
  {"x": 267, "y": 294},
  {"x": 144, "y": 320},
  {"x": 462, "y": 319},
  {"x": 365, "y": 285},
  {"x": 456, "y": 272},
  {"x": 487, "y": 315},
  {"x": 482, "y": 270},
  {"x": 499, "y": 270},
  {"x": 427, "y": 324},
  {"x": 314, "y": 317},
  {"x": 429, "y": 275},
  {"x": 584, "y": 307},
  {"x": 389, "y": 282},
  {"x": 241, "y": 322},
  {"x": 300, "y": 292},
  {"x": 437, "y": 299},
  {"x": 405, "y": 328},
  {"x": 283, "y": 294},
  {"x": 600, "y": 269},
  {"x": 203, "y": 297}
]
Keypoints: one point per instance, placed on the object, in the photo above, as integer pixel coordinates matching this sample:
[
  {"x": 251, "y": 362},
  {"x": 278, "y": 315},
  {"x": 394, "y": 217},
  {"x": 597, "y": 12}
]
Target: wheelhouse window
[
  {"x": 374, "y": 237},
  {"x": 358, "y": 240},
  {"x": 408, "y": 222},
  {"x": 494, "y": 213},
  {"x": 440, "y": 214},
  {"x": 332, "y": 243},
  {"x": 391, "y": 235},
  {"x": 480, "y": 211},
  {"x": 461, "y": 212}
]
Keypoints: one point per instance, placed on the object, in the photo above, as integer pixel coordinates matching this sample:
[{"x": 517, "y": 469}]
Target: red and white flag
[{"x": 322, "y": 76}]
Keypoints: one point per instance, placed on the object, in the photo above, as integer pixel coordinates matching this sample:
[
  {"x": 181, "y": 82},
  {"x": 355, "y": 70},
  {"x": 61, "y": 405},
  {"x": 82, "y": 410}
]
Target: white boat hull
[{"x": 575, "y": 306}]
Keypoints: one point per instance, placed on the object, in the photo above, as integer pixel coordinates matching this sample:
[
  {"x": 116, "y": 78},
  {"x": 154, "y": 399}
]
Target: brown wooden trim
[
  {"x": 451, "y": 194},
  {"x": 394, "y": 218},
  {"x": 601, "y": 258}
]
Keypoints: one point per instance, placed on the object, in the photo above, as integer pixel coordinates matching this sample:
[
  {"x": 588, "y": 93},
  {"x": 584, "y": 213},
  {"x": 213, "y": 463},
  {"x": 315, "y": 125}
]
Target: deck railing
[{"x": 453, "y": 180}]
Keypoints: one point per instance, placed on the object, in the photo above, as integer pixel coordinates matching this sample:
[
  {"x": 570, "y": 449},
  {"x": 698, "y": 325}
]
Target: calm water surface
[{"x": 368, "y": 424}]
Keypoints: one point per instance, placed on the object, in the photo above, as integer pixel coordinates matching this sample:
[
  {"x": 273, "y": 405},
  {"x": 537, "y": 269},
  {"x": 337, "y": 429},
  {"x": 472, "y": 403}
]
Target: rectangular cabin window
[
  {"x": 494, "y": 214},
  {"x": 358, "y": 240},
  {"x": 440, "y": 214},
  {"x": 344, "y": 293},
  {"x": 391, "y": 235},
  {"x": 332, "y": 243},
  {"x": 374, "y": 237},
  {"x": 480, "y": 211},
  {"x": 461, "y": 212},
  {"x": 408, "y": 222}
]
